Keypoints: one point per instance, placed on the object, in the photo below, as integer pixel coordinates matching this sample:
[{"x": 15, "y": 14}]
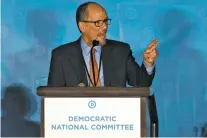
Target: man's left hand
[{"x": 151, "y": 53}]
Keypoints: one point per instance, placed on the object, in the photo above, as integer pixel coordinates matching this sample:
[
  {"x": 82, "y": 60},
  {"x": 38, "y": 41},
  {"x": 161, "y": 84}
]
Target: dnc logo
[{"x": 92, "y": 104}]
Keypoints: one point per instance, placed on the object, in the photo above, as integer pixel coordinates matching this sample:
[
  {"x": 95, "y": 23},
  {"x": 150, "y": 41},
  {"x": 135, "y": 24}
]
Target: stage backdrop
[{"x": 32, "y": 28}]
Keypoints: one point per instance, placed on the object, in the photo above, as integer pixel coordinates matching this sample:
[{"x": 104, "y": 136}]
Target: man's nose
[{"x": 104, "y": 26}]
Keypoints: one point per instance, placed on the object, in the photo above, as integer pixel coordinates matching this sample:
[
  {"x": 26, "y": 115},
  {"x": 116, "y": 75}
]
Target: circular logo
[
  {"x": 131, "y": 13},
  {"x": 20, "y": 13},
  {"x": 39, "y": 50},
  {"x": 92, "y": 104},
  {"x": 203, "y": 13}
]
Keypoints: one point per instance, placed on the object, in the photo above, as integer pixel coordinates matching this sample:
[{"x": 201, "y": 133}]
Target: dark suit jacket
[{"x": 119, "y": 66}]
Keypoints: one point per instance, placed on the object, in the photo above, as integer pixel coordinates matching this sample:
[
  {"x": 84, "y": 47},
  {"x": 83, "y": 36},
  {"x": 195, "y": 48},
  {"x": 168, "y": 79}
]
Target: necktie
[{"x": 96, "y": 71}]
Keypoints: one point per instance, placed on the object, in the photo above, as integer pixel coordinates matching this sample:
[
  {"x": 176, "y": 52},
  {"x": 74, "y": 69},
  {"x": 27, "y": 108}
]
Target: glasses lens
[{"x": 99, "y": 23}]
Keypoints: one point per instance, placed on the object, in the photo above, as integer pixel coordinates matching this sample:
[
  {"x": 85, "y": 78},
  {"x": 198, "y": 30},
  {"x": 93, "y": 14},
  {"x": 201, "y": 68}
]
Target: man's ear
[{"x": 81, "y": 26}]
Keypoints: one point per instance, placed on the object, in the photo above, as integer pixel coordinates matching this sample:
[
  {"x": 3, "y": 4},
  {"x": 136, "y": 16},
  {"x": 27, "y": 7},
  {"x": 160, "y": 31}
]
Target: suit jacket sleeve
[
  {"x": 56, "y": 76},
  {"x": 137, "y": 76}
]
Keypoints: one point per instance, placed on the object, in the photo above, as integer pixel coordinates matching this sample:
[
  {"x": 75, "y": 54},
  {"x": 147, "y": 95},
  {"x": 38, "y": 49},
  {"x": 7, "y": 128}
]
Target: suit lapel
[
  {"x": 107, "y": 64},
  {"x": 77, "y": 61}
]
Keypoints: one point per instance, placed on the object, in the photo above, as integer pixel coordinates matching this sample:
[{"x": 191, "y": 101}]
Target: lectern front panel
[{"x": 93, "y": 117}]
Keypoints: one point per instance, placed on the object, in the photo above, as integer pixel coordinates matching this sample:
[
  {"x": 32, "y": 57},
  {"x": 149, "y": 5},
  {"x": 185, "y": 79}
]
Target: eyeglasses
[{"x": 99, "y": 23}]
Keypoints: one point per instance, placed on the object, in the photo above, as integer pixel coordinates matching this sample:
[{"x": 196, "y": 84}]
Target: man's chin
[{"x": 102, "y": 42}]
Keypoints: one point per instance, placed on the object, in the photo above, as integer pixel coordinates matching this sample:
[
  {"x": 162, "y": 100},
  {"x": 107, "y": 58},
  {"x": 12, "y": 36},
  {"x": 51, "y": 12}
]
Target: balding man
[{"x": 95, "y": 61}]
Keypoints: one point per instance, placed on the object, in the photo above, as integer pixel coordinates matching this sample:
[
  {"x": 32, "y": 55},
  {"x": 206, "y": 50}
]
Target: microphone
[
  {"x": 95, "y": 43},
  {"x": 81, "y": 85}
]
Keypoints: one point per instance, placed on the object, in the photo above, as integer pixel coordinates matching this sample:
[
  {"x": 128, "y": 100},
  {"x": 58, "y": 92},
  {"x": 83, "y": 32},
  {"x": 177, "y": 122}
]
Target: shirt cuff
[{"x": 149, "y": 68}]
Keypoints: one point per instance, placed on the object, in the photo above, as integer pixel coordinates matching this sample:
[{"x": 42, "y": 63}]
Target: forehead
[{"x": 96, "y": 12}]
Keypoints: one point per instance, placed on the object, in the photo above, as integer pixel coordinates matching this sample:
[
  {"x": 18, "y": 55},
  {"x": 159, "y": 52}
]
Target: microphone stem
[{"x": 92, "y": 60}]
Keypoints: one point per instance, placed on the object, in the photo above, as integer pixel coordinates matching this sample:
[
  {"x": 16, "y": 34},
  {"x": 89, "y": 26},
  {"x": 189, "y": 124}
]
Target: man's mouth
[{"x": 102, "y": 36}]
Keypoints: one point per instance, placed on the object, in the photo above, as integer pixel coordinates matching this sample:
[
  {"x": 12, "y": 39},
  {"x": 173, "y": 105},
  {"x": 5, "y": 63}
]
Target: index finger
[
  {"x": 153, "y": 43},
  {"x": 152, "y": 48}
]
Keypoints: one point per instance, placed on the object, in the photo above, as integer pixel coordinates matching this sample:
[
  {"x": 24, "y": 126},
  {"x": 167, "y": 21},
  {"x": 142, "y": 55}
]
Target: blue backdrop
[{"x": 32, "y": 28}]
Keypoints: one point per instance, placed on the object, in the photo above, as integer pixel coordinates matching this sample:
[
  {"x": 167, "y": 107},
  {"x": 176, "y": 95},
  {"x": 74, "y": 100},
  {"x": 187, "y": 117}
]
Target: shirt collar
[{"x": 86, "y": 49}]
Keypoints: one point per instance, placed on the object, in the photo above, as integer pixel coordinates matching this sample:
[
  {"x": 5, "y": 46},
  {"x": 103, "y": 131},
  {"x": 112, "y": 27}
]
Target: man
[{"x": 113, "y": 64}]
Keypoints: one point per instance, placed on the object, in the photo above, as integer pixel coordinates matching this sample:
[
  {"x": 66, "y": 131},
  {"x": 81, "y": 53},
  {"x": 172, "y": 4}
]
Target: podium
[{"x": 98, "y": 112}]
